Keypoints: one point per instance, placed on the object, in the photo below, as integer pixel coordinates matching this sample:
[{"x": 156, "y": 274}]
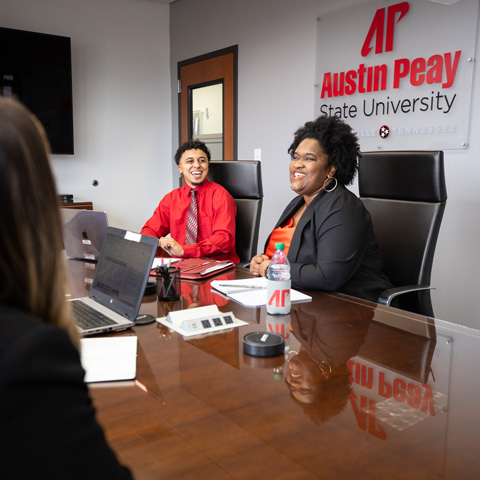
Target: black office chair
[
  {"x": 243, "y": 180},
  {"x": 405, "y": 194}
]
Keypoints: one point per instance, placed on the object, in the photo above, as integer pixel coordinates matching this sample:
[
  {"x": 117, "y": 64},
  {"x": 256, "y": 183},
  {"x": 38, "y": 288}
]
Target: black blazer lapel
[
  {"x": 294, "y": 250},
  {"x": 309, "y": 242}
]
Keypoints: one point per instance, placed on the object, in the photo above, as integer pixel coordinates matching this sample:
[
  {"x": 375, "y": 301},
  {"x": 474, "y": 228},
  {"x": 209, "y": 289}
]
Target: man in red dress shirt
[{"x": 215, "y": 236}]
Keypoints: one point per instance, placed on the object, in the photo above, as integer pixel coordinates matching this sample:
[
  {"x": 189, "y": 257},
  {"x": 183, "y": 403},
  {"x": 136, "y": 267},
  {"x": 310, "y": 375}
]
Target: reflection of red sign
[
  {"x": 417, "y": 396},
  {"x": 364, "y": 410}
]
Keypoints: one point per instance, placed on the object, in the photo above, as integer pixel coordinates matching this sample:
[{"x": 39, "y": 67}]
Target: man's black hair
[{"x": 191, "y": 145}]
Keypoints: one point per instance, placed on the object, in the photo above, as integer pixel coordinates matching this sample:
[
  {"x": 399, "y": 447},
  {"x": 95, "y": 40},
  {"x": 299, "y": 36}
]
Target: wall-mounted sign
[{"x": 400, "y": 73}]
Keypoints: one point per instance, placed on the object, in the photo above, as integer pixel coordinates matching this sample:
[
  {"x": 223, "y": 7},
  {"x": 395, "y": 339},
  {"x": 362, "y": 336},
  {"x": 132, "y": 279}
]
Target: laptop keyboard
[{"x": 87, "y": 317}]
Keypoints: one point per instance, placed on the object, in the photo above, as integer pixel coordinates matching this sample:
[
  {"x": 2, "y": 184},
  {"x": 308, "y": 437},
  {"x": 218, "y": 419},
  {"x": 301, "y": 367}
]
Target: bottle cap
[{"x": 279, "y": 245}]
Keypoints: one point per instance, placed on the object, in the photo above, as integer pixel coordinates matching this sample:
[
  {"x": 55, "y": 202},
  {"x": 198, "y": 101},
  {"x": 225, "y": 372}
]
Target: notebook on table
[
  {"x": 252, "y": 292},
  {"x": 83, "y": 232},
  {"x": 117, "y": 289}
]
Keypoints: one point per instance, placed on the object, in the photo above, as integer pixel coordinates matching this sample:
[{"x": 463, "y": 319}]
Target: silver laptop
[
  {"x": 83, "y": 232},
  {"x": 118, "y": 286}
]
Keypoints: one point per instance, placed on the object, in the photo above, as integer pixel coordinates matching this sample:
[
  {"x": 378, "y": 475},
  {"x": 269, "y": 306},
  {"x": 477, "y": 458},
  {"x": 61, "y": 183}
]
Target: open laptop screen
[{"x": 122, "y": 271}]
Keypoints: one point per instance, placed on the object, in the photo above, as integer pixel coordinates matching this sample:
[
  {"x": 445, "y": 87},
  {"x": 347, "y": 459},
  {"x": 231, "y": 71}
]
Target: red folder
[{"x": 200, "y": 268}]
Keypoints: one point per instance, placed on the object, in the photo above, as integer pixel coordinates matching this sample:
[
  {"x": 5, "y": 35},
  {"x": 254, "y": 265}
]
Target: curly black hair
[
  {"x": 191, "y": 145},
  {"x": 338, "y": 142}
]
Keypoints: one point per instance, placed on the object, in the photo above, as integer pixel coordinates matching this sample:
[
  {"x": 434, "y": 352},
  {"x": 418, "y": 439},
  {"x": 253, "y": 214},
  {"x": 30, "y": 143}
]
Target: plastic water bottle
[{"x": 279, "y": 282}]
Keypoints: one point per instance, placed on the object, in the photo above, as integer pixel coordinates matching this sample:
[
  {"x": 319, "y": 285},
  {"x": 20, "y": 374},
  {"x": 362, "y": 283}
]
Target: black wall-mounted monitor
[{"x": 36, "y": 69}]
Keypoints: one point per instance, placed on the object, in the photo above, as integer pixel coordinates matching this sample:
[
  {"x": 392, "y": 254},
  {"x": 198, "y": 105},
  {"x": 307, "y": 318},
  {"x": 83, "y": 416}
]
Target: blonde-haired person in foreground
[{"x": 48, "y": 427}]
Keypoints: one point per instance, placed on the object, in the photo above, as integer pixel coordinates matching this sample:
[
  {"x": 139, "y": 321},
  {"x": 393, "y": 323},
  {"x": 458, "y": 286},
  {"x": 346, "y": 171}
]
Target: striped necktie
[{"x": 192, "y": 220}]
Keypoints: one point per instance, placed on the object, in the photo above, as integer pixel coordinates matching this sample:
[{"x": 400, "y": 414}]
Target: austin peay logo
[
  {"x": 377, "y": 28},
  {"x": 278, "y": 298},
  {"x": 438, "y": 70}
]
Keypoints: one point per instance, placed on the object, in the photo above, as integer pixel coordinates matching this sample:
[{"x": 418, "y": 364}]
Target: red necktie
[{"x": 192, "y": 220}]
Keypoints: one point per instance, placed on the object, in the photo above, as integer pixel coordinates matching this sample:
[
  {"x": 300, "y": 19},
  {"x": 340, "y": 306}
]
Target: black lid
[{"x": 263, "y": 344}]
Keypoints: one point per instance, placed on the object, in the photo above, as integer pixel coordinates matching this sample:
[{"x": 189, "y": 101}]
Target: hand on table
[{"x": 258, "y": 265}]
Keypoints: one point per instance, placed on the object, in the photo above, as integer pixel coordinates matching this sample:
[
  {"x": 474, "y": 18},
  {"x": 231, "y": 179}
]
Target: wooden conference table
[{"x": 202, "y": 409}]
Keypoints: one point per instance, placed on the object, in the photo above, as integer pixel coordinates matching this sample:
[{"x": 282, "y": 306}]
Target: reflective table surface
[{"x": 362, "y": 392}]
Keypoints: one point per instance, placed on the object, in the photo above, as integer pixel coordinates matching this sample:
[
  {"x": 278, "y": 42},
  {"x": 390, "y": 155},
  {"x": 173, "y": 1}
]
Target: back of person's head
[
  {"x": 31, "y": 271},
  {"x": 192, "y": 145},
  {"x": 337, "y": 140}
]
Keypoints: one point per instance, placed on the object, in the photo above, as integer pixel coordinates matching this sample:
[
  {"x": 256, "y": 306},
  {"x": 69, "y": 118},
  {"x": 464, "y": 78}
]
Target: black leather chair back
[
  {"x": 243, "y": 180},
  {"x": 405, "y": 194}
]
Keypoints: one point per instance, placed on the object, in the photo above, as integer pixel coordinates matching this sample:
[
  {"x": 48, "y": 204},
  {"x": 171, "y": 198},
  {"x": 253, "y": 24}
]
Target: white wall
[
  {"x": 276, "y": 41},
  {"x": 121, "y": 95}
]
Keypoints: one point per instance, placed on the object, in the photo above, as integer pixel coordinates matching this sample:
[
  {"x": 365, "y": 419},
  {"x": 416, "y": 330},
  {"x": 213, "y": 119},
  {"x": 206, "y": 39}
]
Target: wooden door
[{"x": 217, "y": 68}]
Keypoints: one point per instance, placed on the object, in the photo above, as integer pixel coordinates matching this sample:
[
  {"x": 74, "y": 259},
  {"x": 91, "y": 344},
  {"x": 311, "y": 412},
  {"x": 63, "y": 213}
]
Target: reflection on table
[{"x": 363, "y": 391}]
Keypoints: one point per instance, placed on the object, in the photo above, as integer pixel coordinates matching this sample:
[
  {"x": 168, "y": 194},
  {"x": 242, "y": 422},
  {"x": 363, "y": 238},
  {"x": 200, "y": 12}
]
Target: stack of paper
[{"x": 252, "y": 292}]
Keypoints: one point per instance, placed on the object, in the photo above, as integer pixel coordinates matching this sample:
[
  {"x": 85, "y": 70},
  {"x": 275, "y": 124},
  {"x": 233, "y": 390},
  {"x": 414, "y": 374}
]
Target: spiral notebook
[{"x": 252, "y": 292}]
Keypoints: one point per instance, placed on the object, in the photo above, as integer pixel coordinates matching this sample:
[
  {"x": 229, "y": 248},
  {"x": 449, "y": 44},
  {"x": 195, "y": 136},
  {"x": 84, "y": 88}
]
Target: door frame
[{"x": 217, "y": 53}]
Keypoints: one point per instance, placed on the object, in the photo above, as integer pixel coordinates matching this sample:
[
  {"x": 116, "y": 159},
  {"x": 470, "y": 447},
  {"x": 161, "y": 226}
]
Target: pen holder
[{"x": 168, "y": 283}]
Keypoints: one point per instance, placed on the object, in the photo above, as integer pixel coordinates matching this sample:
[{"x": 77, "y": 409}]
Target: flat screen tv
[{"x": 36, "y": 69}]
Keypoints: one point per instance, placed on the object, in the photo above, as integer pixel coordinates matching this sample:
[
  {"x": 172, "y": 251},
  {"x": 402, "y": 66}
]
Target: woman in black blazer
[
  {"x": 48, "y": 427},
  {"x": 326, "y": 229}
]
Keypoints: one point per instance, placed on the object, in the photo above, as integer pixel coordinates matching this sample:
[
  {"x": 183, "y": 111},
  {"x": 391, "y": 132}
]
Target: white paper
[
  {"x": 214, "y": 268},
  {"x": 133, "y": 237},
  {"x": 107, "y": 359},
  {"x": 157, "y": 262},
  {"x": 239, "y": 291}
]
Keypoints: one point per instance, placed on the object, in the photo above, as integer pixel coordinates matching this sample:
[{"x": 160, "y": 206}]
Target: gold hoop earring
[
  {"x": 324, "y": 371},
  {"x": 325, "y": 184}
]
